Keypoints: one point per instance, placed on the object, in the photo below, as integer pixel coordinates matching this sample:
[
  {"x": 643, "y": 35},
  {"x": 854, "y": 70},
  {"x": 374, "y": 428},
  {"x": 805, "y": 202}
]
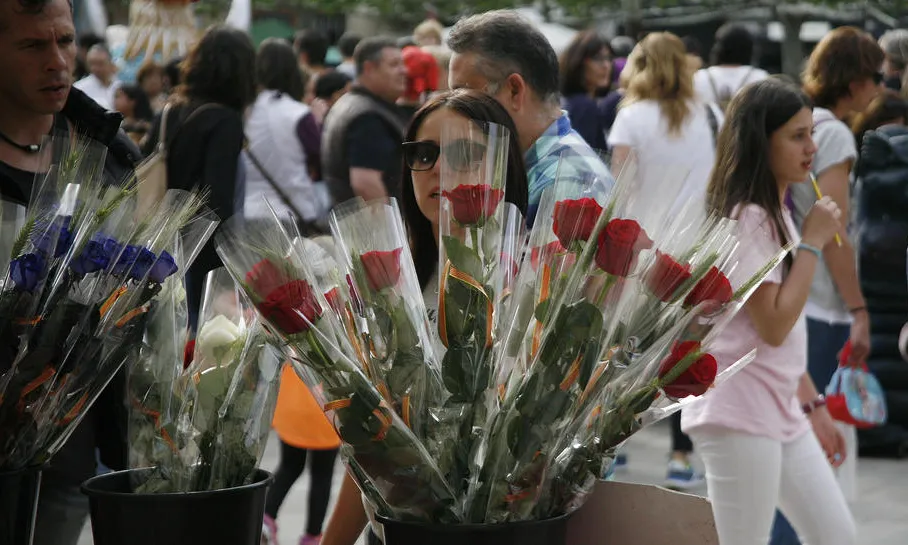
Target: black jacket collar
[{"x": 90, "y": 118}]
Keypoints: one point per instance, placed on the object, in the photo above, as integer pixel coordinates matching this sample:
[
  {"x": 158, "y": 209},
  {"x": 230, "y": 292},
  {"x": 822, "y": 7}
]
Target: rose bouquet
[
  {"x": 82, "y": 278},
  {"x": 553, "y": 352},
  {"x": 400, "y": 359},
  {"x": 388, "y": 460},
  {"x": 222, "y": 404},
  {"x": 153, "y": 380}
]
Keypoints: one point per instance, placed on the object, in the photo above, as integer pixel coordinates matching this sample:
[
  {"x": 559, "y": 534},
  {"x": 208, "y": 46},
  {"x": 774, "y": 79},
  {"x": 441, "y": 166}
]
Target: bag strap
[
  {"x": 161, "y": 148},
  {"x": 277, "y": 188},
  {"x": 712, "y": 83}
]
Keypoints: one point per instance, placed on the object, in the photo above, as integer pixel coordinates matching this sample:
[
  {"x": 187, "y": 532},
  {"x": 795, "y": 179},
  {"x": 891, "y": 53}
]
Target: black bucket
[
  {"x": 18, "y": 505},
  {"x": 541, "y": 532},
  {"x": 232, "y": 516}
]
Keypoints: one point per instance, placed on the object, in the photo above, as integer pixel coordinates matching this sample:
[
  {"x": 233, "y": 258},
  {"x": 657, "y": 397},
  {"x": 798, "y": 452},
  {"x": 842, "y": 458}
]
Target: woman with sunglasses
[
  {"x": 842, "y": 77},
  {"x": 423, "y": 154}
]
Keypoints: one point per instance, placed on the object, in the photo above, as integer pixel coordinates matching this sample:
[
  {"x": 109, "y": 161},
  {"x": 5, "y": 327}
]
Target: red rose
[
  {"x": 471, "y": 204},
  {"x": 666, "y": 276},
  {"x": 266, "y": 277},
  {"x": 188, "y": 353},
  {"x": 334, "y": 300},
  {"x": 696, "y": 379},
  {"x": 575, "y": 220},
  {"x": 382, "y": 268},
  {"x": 544, "y": 254},
  {"x": 713, "y": 287},
  {"x": 618, "y": 246},
  {"x": 292, "y": 308}
]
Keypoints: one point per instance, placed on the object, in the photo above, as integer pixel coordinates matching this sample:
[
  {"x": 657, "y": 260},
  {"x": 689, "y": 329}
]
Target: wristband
[
  {"x": 812, "y": 249},
  {"x": 811, "y": 406}
]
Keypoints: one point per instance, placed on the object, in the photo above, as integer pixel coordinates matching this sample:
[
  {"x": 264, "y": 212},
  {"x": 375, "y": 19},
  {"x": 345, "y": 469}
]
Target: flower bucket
[
  {"x": 537, "y": 532},
  {"x": 231, "y": 516},
  {"x": 18, "y": 505}
]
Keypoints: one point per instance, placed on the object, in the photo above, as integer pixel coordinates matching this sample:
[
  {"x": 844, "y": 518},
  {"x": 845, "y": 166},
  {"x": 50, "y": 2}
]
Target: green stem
[
  {"x": 474, "y": 234},
  {"x": 610, "y": 281}
]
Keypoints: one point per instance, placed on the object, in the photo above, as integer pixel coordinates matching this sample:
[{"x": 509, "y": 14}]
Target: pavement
[{"x": 881, "y": 507}]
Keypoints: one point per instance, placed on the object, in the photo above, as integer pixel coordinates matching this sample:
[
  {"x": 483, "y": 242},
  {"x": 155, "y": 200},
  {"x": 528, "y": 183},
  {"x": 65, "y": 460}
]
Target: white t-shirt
[
  {"x": 97, "y": 91},
  {"x": 686, "y": 157},
  {"x": 728, "y": 81}
]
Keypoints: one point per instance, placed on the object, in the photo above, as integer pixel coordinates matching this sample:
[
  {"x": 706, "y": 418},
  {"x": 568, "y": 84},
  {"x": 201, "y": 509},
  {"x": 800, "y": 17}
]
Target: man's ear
[{"x": 516, "y": 92}]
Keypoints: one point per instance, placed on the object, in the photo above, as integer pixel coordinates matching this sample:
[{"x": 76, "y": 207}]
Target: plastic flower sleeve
[
  {"x": 152, "y": 383},
  {"x": 402, "y": 362},
  {"x": 12, "y": 219},
  {"x": 401, "y": 479},
  {"x": 473, "y": 167},
  {"x": 88, "y": 325}
]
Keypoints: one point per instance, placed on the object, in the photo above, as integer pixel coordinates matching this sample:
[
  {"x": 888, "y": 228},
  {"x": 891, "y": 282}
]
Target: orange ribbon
[
  {"x": 29, "y": 321},
  {"x": 338, "y": 404},
  {"x": 572, "y": 374},
  {"x": 543, "y": 295},
  {"x": 457, "y": 274},
  {"x": 156, "y": 418},
  {"x": 105, "y": 308},
  {"x": 74, "y": 412},
  {"x": 130, "y": 315},
  {"x": 596, "y": 412},
  {"x": 46, "y": 375},
  {"x": 405, "y": 409}
]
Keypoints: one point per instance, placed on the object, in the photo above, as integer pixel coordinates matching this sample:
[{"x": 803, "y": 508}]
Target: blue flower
[
  {"x": 125, "y": 261},
  {"x": 93, "y": 258},
  {"x": 57, "y": 237},
  {"x": 162, "y": 268},
  {"x": 26, "y": 270},
  {"x": 144, "y": 260}
]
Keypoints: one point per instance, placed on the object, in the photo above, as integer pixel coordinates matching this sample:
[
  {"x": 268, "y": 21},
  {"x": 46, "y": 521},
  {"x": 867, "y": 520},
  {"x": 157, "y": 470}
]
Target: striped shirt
[{"x": 562, "y": 154}]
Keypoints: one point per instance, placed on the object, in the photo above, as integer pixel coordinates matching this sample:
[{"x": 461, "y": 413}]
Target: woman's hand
[
  {"x": 822, "y": 223},
  {"x": 860, "y": 338},
  {"x": 831, "y": 439}
]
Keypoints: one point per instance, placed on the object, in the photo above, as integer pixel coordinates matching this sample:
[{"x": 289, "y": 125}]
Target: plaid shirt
[{"x": 561, "y": 153}]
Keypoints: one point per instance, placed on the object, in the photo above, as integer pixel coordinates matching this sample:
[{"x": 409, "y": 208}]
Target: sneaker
[
  {"x": 269, "y": 531},
  {"x": 682, "y": 476},
  {"x": 310, "y": 540}
]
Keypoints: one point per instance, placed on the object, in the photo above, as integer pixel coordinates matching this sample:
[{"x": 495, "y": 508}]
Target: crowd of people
[{"x": 277, "y": 121}]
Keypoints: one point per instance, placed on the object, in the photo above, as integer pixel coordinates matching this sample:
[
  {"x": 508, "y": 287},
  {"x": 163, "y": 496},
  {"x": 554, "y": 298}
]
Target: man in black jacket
[{"x": 37, "y": 57}]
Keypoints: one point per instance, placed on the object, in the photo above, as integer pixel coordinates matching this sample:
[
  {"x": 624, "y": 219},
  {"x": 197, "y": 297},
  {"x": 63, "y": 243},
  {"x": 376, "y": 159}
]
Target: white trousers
[{"x": 749, "y": 477}]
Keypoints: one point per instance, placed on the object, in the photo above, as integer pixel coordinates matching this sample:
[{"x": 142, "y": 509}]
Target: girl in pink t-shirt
[{"x": 754, "y": 432}]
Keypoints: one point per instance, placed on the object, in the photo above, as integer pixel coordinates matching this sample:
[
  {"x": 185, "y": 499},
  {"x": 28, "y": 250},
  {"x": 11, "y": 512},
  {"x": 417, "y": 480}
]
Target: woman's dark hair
[
  {"x": 734, "y": 45},
  {"x": 844, "y": 56},
  {"x": 585, "y": 45},
  {"x": 329, "y": 83},
  {"x": 276, "y": 69},
  {"x": 742, "y": 173},
  {"x": 481, "y": 108},
  {"x": 172, "y": 72},
  {"x": 220, "y": 69},
  {"x": 884, "y": 109},
  {"x": 142, "y": 106}
]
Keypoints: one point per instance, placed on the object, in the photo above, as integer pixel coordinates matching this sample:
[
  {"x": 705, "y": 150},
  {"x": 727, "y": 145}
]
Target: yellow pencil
[{"x": 816, "y": 189}]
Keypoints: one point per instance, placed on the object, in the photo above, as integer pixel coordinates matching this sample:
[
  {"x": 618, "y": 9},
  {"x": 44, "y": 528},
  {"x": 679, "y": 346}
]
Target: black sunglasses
[
  {"x": 461, "y": 155},
  {"x": 878, "y": 78}
]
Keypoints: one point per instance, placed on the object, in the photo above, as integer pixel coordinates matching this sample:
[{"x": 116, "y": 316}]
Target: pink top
[{"x": 762, "y": 398}]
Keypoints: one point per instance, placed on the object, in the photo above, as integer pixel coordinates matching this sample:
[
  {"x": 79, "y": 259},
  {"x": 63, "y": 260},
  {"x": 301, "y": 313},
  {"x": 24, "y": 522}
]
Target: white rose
[{"x": 217, "y": 334}]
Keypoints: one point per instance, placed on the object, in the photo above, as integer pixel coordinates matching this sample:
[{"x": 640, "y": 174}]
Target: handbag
[
  {"x": 151, "y": 173},
  {"x": 307, "y": 228},
  {"x": 854, "y": 395}
]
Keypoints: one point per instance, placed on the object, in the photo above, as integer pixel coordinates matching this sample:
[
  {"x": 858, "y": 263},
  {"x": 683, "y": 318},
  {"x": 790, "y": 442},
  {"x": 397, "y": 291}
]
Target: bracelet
[
  {"x": 855, "y": 310},
  {"x": 812, "y": 249},
  {"x": 811, "y": 406}
]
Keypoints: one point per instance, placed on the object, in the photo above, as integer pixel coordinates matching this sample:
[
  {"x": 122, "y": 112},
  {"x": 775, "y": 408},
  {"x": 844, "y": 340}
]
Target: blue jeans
[{"x": 824, "y": 341}]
